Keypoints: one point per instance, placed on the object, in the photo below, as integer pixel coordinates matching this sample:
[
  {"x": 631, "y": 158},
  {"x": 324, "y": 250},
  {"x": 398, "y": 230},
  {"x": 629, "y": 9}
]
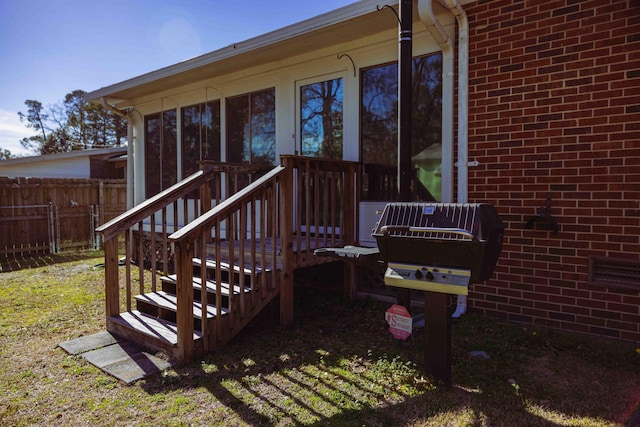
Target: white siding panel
[{"x": 61, "y": 168}]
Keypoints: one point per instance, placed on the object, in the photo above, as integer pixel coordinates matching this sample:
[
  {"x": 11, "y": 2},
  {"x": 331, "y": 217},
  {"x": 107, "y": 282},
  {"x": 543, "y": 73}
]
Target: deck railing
[
  {"x": 264, "y": 231},
  {"x": 141, "y": 232}
]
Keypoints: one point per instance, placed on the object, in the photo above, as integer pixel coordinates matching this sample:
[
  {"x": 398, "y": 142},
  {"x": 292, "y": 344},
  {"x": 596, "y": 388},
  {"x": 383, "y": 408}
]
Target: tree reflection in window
[
  {"x": 200, "y": 135},
  {"x": 251, "y": 128},
  {"x": 321, "y": 119},
  {"x": 379, "y": 130}
]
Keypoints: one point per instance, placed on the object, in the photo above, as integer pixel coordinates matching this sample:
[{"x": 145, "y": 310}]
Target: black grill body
[{"x": 456, "y": 235}]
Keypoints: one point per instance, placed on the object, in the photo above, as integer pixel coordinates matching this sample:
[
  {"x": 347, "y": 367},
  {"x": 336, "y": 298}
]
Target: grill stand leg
[
  {"x": 437, "y": 337},
  {"x": 403, "y": 297}
]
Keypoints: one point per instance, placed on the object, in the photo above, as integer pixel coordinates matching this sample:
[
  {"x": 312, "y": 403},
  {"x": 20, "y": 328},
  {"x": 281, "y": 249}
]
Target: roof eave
[{"x": 346, "y": 13}]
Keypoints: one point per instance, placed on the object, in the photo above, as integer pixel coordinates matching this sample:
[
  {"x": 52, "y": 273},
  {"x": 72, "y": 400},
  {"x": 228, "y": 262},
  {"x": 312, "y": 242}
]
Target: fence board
[{"x": 52, "y": 215}]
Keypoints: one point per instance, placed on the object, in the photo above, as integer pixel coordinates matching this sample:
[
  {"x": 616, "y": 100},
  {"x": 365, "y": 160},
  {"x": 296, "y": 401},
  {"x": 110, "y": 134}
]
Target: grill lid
[
  {"x": 432, "y": 220},
  {"x": 457, "y": 235}
]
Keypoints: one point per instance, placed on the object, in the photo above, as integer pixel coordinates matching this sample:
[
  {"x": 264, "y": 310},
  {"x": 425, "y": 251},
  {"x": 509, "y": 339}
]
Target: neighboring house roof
[{"x": 74, "y": 164}]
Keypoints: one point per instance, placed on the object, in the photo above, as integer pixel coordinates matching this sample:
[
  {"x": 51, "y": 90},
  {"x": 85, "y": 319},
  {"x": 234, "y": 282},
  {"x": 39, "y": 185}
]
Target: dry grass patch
[{"x": 336, "y": 366}]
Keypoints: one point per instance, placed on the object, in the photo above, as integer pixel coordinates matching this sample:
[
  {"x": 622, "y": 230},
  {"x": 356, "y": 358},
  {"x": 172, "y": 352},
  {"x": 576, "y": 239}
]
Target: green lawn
[{"x": 336, "y": 366}]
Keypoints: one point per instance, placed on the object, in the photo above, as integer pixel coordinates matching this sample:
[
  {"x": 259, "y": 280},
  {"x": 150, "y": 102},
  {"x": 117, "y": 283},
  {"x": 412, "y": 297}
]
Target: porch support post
[
  {"x": 111, "y": 277},
  {"x": 184, "y": 295},
  {"x": 205, "y": 202},
  {"x": 286, "y": 236},
  {"x": 349, "y": 204}
]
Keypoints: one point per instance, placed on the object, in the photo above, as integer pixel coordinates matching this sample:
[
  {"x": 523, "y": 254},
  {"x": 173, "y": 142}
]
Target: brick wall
[{"x": 555, "y": 110}]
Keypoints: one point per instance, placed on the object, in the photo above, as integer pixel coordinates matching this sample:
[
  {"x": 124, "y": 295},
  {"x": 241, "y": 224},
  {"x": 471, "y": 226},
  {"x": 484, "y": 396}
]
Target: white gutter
[
  {"x": 428, "y": 17},
  {"x": 130, "y": 168},
  {"x": 111, "y": 108},
  {"x": 463, "y": 97}
]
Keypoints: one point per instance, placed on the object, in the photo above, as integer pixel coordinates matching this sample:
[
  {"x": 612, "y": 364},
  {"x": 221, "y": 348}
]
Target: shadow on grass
[
  {"x": 338, "y": 366},
  {"x": 16, "y": 263}
]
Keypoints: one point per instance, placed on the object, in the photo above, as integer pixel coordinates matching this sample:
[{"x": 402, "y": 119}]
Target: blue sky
[{"x": 49, "y": 48}]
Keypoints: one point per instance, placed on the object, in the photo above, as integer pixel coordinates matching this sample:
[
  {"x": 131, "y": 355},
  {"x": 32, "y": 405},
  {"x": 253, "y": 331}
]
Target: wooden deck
[
  {"x": 203, "y": 287},
  {"x": 302, "y": 251}
]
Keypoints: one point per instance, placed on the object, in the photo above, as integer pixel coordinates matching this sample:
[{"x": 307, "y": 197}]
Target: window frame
[{"x": 299, "y": 84}]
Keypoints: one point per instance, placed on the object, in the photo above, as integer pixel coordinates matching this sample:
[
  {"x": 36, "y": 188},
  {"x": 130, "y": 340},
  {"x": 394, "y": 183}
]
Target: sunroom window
[
  {"x": 200, "y": 135},
  {"x": 321, "y": 119},
  {"x": 379, "y": 130},
  {"x": 160, "y": 152},
  {"x": 251, "y": 128}
]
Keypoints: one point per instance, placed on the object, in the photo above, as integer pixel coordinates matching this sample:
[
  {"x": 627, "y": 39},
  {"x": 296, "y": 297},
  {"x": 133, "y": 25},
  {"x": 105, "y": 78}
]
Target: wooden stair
[
  {"x": 148, "y": 331},
  {"x": 259, "y": 226},
  {"x": 153, "y": 323}
]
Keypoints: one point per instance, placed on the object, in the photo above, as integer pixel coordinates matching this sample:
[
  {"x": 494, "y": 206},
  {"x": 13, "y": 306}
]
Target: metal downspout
[
  {"x": 463, "y": 98},
  {"x": 130, "y": 176},
  {"x": 425, "y": 9},
  {"x": 111, "y": 108}
]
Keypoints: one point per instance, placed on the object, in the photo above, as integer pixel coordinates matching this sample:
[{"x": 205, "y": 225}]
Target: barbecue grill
[{"x": 439, "y": 247}]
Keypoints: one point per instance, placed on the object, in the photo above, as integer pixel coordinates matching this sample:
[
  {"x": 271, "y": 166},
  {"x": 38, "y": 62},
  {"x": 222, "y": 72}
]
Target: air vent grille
[{"x": 614, "y": 273}]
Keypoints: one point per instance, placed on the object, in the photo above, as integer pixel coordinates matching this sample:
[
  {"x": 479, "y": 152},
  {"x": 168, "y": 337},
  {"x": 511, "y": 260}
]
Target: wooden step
[
  {"x": 225, "y": 266},
  {"x": 167, "y": 301},
  {"x": 161, "y": 334},
  {"x": 211, "y": 285}
]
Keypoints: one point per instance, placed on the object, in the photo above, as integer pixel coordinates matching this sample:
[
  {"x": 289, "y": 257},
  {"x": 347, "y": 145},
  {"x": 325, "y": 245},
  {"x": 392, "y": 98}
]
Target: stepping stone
[
  {"x": 91, "y": 342},
  {"x": 115, "y": 356},
  {"x": 125, "y": 361}
]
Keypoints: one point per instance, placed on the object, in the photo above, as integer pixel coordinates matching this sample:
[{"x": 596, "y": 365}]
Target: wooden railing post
[
  {"x": 184, "y": 295},
  {"x": 349, "y": 206},
  {"x": 286, "y": 234},
  {"x": 111, "y": 278},
  {"x": 205, "y": 197}
]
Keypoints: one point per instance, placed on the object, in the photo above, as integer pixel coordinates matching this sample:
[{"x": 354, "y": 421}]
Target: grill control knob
[
  {"x": 418, "y": 274},
  {"x": 429, "y": 276}
]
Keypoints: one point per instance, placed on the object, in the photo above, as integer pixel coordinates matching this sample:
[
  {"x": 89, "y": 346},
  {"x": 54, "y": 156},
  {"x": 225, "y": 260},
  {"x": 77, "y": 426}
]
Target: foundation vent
[{"x": 614, "y": 273}]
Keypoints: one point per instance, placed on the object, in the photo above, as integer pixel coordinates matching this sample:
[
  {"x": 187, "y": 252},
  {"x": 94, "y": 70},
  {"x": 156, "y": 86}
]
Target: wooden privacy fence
[{"x": 55, "y": 215}]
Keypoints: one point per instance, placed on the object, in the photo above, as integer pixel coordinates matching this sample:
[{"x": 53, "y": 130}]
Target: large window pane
[
  {"x": 263, "y": 127},
  {"x": 152, "y": 146},
  {"x": 321, "y": 119},
  {"x": 200, "y": 135},
  {"x": 161, "y": 162},
  {"x": 238, "y": 130},
  {"x": 251, "y": 128},
  {"x": 169, "y": 154},
  {"x": 191, "y": 136},
  {"x": 210, "y": 146},
  {"x": 379, "y": 130}
]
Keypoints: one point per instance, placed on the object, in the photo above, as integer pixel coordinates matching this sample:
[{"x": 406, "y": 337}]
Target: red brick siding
[{"x": 554, "y": 108}]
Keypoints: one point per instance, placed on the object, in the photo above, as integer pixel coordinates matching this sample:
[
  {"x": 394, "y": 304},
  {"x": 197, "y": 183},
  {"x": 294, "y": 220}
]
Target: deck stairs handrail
[{"x": 237, "y": 247}]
